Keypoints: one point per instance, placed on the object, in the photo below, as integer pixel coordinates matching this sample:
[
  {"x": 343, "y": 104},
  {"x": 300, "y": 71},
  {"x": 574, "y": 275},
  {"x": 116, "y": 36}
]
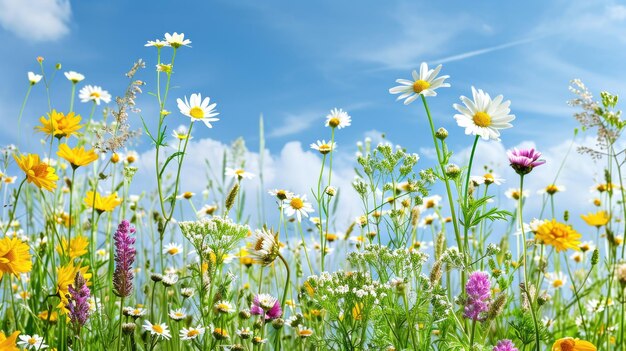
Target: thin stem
[
  {"x": 19, "y": 118},
  {"x": 12, "y": 213}
]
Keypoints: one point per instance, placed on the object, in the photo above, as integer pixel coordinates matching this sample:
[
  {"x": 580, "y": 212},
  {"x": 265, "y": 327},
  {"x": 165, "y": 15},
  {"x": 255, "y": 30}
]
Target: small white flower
[
  {"x": 238, "y": 174},
  {"x": 198, "y": 109},
  {"x": 556, "y": 280},
  {"x": 191, "y": 332},
  {"x": 297, "y": 205},
  {"x": 223, "y": 306},
  {"x": 281, "y": 194},
  {"x": 31, "y": 342},
  {"x": 178, "y": 314},
  {"x": 483, "y": 116},
  {"x": 74, "y": 77},
  {"x": 158, "y": 43},
  {"x": 514, "y": 194},
  {"x": 323, "y": 147},
  {"x": 94, "y": 93},
  {"x": 170, "y": 279},
  {"x": 425, "y": 83},
  {"x": 264, "y": 247},
  {"x": 159, "y": 330},
  {"x": 181, "y": 133},
  {"x": 177, "y": 40},
  {"x": 338, "y": 119},
  {"x": 34, "y": 78},
  {"x": 173, "y": 249}
]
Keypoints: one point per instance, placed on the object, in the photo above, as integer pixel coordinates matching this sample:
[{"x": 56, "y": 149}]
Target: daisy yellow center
[
  {"x": 305, "y": 332},
  {"x": 551, "y": 189},
  {"x": 482, "y": 119},
  {"x": 179, "y": 314},
  {"x": 223, "y": 307},
  {"x": 489, "y": 179},
  {"x": 296, "y": 203},
  {"x": 187, "y": 195},
  {"x": 32, "y": 341},
  {"x": 324, "y": 148},
  {"x": 192, "y": 333},
  {"x": 95, "y": 94},
  {"x": 557, "y": 283},
  {"x": 196, "y": 112},
  {"x": 240, "y": 172},
  {"x": 430, "y": 204},
  {"x": 420, "y": 85},
  {"x": 515, "y": 195},
  {"x": 334, "y": 122},
  {"x": 157, "y": 328},
  {"x": 173, "y": 251},
  {"x": 136, "y": 312}
]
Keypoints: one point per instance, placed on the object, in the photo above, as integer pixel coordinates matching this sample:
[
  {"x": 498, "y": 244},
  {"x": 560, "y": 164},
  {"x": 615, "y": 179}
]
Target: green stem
[
  {"x": 19, "y": 118},
  {"x": 14, "y": 208}
]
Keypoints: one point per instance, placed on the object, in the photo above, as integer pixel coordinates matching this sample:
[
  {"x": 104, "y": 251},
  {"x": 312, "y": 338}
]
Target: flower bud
[
  {"x": 441, "y": 133},
  {"x": 453, "y": 171}
]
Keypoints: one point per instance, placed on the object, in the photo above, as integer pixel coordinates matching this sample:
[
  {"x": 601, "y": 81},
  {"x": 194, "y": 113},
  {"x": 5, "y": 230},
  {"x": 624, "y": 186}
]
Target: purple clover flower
[
  {"x": 505, "y": 345},
  {"x": 124, "y": 258},
  {"x": 266, "y": 305},
  {"x": 78, "y": 303},
  {"x": 478, "y": 290},
  {"x": 523, "y": 161}
]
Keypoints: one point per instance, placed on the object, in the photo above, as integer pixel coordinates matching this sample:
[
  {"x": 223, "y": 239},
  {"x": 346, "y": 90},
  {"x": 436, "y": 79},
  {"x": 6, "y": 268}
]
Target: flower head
[
  {"x": 281, "y": 194},
  {"x": 338, "y": 118},
  {"x": 483, "y": 117},
  {"x": 523, "y": 161},
  {"x": 198, "y": 109},
  {"x": 181, "y": 133},
  {"x": 173, "y": 249},
  {"x": 571, "y": 344},
  {"x": 177, "y": 40},
  {"x": 598, "y": 219},
  {"x": 77, "y": 156},
  {"x": 158, "y": 330},
  {"x": 37, "y": 172},
  {"x": 425, "y": 83},
  {"x": 76, "y": 248},
  {"x": 34, "y": 78},
  {"x": 66, "y": 276},
  {"x": 78, "y": 305},
  {"x": 31, "y": 342},
  {"x": 9, "y": 343},
  {"x": 297, "y": 205},
  {"x": 551, "y": 189},
  {"x": 323, "y": 147},
  {"x": 74, "y": 77},
  {"x": 264, "y": 247},
  {"x": 124, "y": 259},
  {"x": 556, "y": 280},
  {"x": 238, "y": 174},
  {"x": 266, "y": 305},
  {"x": 102, "y": 204},
  {"x": 14, "y": 257},
  {"x": 191, "y": 333},
  {"x": 94, "y": 93},
  {"x": 60, "y": 125},
  {"x": 478, "y": 289},
  {"x": 559, "y": 235},
  {"x": 505, "y": 345}
]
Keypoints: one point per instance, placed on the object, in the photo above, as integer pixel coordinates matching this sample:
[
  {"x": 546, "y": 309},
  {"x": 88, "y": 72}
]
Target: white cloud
[
  {"x": 294, "y": 124},
  {"x": 36, "y": 20}
]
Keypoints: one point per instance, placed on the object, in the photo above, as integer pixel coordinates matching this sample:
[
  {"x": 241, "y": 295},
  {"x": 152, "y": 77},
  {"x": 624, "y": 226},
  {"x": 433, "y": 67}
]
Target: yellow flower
[
  {"x": 597, "y": 219},
  {"x": 65, "y": 278},
  {"x": 559, "y": 235},
  {"x": 14, "y": 257},
  {"x": 102, "y": 204},
  {"x": 76, "y": 248},
  {"x": 9, "y": 344},
  {"x": 77, "y": 156},
  {"x": 37, "y": 172},
  {"x": 571, "y": 344},
  {"x": 48, "y": 317},
  {"x": 60, "y": 125}
]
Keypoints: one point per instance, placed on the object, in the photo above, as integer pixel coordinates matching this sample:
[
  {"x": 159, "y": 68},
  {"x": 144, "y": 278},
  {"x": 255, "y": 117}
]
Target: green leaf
[{"x": 170, "y": 158}]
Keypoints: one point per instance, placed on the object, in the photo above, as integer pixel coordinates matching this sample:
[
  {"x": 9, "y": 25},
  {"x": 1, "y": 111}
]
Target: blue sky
[{"x": 294, "y": 61}]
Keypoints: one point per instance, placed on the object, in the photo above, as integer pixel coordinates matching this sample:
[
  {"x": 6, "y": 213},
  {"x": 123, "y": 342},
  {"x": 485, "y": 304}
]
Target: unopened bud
[
  {"x": 453, "y": 171},
  {"x": 441, "y": 133}
]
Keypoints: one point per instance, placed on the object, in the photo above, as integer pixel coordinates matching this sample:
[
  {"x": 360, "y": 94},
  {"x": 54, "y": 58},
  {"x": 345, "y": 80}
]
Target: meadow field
[{"x": 106, "y": 248}]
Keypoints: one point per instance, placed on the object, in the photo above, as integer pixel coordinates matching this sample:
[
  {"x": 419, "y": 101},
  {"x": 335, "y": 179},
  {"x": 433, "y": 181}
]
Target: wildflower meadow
[{"x": 95, "y": 257}]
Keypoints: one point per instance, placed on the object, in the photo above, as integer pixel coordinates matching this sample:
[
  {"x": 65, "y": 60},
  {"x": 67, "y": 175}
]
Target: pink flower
[
  {"x": 478, "y": 289},
  {"x": 523, "y": 161},
  {"x": 505, "y": 345}
]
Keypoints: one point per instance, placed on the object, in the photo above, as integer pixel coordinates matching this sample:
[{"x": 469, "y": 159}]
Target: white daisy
[
  {"x": 488, "y": 178},
  {"x": 556, "y": 280},
  {"x": 31, "y": 342},
  {"x": 169, "y": 279},
  {"x": 95, "y": 94},
  {"x": 423, "y": 83},
  {"x": 132, "y": 156},
  {"x": 587, "y": 246},
  {"x": 198, "y": 109},
  {"x": 34, "y": 78},
  {"x": 177, "y": 40},
  {"x": 186, "y": 195},
  {"x": 338, "y": 119},
  {"x": 551, "y": 189},
  {"x": 191, "y": 332},
  {"x": 430, "y": 202},
  {"x": 514, "y": 194},
  {"x": 181, "y": 133},
  {"x": 323, "y": 147},
  {"x": 281, "y": 194},
  {"x": 74, "y": 77},
  {"x": 178, "y": 314},
  {"x": 224, "y": 307},
  {"x": 483, "y": 116},
  {"x": 244, "y": 333},
  {"x": 173, "y": 249},
  {"x": 158, "y": 43},
  {"x": 206, "y": 210},
  {"x": 159, "y": 330},
  {"x": 238, "y": 174},
  {"x": 297, "y": 205},
  {"x": 577, "y": 257},
  {"x": 264, "y": 247},
  {"x": 304, "y": 332},
  {"x": 135, "y": 312}
]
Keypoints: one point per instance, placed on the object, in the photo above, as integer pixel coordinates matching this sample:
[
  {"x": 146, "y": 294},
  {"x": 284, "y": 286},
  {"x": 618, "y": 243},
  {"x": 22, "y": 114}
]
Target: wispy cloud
[
  {"x": 469, "y": 54},
  {"x": 36, "y": 20},
  {"x": 295, "y": 123}
]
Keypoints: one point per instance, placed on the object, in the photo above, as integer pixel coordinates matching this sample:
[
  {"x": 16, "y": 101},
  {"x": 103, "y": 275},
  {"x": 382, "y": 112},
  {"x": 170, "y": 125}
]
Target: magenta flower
[
  {"x": 266, "y": 305},
  {"x": 124, "y": 258},
  {"x": 505, "y": 345},
  {"x": 478, "y": 289},
  {"x": 523, "y": 161},
  {"x": 78, "y": 303}
]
